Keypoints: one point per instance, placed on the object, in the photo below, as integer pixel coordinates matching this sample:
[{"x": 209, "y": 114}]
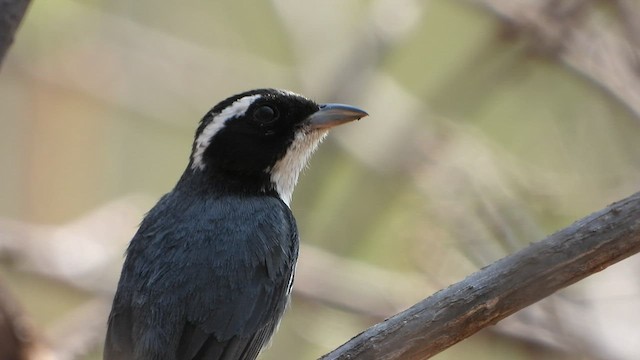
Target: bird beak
[{"x": 330, "y": 115}]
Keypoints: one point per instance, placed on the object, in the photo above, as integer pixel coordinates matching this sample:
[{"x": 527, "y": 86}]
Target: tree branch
[
  {"x": 11, "y": 13},
  {"x": 508, "y": 285}
]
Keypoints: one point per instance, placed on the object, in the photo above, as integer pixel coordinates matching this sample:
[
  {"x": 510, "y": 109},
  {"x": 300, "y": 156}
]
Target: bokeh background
[{"x": 492, "y": 124}]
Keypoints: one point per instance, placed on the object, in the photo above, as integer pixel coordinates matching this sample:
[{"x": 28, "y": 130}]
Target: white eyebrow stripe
[{"x": 237, "y": 108}]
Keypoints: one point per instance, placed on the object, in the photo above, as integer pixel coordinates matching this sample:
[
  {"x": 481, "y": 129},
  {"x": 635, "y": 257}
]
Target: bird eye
[{"x": 265, "y": 114}]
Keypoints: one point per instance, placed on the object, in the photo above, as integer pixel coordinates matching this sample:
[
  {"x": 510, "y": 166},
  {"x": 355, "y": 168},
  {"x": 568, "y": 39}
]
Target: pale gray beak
[{"x": 330, "y": 115}]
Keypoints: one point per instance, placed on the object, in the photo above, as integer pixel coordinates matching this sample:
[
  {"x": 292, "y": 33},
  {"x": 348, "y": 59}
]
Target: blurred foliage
[{"x": 475, "y": 145}]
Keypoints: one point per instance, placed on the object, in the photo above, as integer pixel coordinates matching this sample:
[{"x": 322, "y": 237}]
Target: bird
[{"x": 209, "y": 272}]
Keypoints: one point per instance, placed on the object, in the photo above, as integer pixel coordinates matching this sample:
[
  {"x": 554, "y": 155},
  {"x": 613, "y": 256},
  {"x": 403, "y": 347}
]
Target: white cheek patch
[
  {"x": 237, "y": 108},
  {"x": 284, "y": 174}
]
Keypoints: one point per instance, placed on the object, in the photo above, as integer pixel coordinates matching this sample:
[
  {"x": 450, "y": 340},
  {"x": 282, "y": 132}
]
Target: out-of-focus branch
[
  {"x": 14, "y": 336},
  {"x": 18, "y": 338},
  {"x": 508, "y": 285},
  {"x": 355, "y": 286},
  {"x": 80, "y": 332},
  {"x": 11, "y": 13},
  {"x": 564, "y": 29}
]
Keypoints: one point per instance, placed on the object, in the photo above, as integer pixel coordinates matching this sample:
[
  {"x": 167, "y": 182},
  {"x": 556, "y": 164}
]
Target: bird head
[{"x": 261, "y": 139}]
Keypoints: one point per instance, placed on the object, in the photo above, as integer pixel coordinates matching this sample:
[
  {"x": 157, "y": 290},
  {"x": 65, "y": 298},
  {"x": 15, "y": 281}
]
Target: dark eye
[{"x": 265, "y": 114}]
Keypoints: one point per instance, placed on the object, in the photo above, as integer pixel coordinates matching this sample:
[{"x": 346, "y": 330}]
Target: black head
[{"x": 261, "y": 139}]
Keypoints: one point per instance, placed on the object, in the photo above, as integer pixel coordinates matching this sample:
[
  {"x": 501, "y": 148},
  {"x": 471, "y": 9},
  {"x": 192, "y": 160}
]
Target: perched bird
[{"x": 209, "y": 272}]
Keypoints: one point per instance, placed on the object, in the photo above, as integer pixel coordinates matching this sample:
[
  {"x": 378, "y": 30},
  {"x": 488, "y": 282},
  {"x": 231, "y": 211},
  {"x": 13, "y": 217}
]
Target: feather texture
[{"x": 223, "y": 303}]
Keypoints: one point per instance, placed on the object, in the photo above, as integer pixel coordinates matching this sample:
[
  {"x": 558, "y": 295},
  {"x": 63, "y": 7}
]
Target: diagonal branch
[{"x": 508, "y": 285}]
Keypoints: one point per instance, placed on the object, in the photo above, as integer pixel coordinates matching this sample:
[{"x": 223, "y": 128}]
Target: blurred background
[{"x": 492, "y": 124}]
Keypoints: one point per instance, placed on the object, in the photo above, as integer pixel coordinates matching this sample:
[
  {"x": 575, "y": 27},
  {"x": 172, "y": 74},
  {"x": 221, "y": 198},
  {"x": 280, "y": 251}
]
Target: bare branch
[{"x": 508, "y": 285}]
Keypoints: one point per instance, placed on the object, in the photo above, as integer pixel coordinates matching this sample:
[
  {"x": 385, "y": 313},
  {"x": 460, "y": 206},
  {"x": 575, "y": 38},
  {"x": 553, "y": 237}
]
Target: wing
[
  {"x": 213, "y": 290},
  {"x": 239, "y": 330},
  {"x": 234, "y": 318}
]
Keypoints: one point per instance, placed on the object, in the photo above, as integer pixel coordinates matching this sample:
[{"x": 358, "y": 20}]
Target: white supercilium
[{"x": 237, "y": 108}]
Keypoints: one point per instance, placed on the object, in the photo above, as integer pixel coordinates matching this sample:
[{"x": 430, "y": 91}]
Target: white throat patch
[
  {"x": 237, "y": 108},
  {"x": 285, "y": 172}
]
